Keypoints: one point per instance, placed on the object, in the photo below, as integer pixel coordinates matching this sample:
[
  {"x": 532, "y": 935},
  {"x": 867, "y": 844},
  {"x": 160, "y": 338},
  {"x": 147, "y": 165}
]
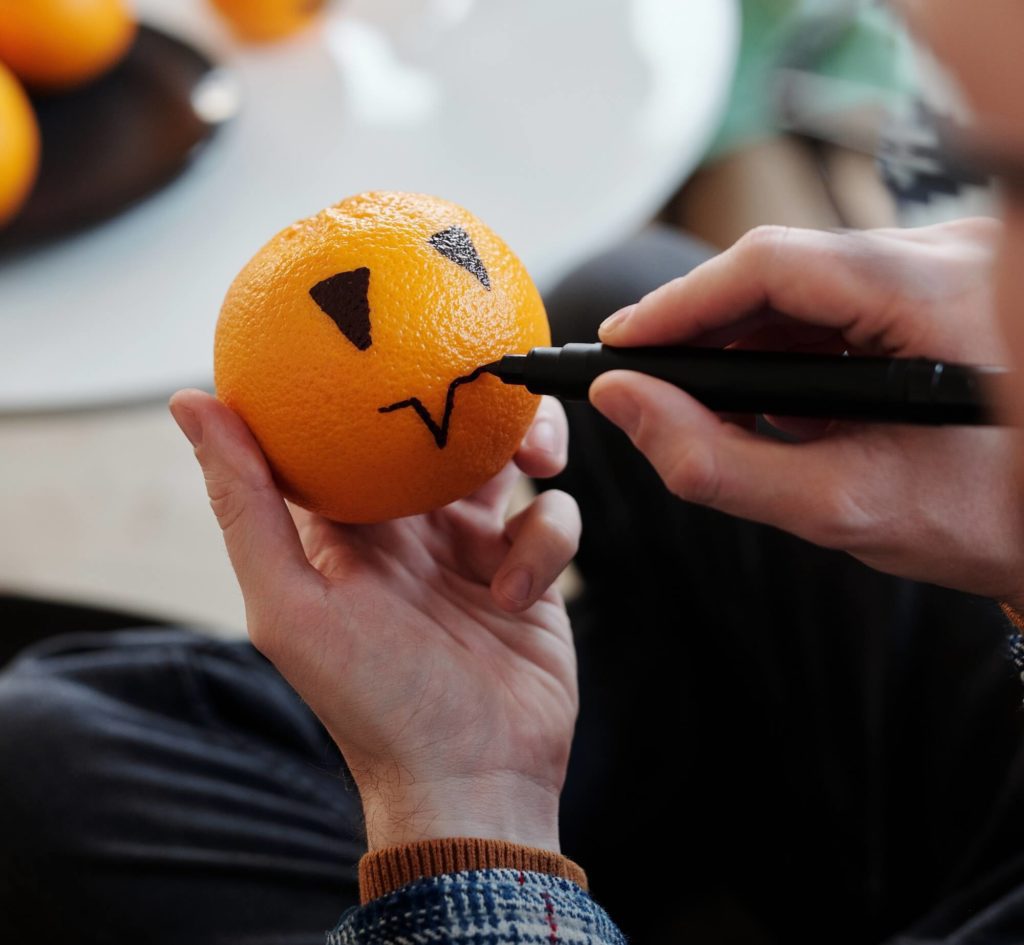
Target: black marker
[{"x": 894, "y": 390}]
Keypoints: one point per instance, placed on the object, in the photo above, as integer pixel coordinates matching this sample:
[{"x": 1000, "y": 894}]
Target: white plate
[{"x": 562, "y": 123}]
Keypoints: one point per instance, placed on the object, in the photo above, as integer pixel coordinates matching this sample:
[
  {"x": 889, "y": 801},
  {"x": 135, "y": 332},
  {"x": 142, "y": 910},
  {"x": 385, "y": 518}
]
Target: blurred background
[{"x": 148, "y": 149}]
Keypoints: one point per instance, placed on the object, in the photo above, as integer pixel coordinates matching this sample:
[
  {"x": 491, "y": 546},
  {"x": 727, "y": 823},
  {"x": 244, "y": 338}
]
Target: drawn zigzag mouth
[{"x": 439, "y": 431}]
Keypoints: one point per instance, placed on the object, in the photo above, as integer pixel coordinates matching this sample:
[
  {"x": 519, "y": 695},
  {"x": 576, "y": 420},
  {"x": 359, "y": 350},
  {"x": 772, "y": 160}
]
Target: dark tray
[{"x": 115, "y": 141}]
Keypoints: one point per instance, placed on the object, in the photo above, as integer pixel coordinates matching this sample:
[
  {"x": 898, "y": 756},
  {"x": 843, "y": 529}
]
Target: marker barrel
[{"x": 897, "y": 390}]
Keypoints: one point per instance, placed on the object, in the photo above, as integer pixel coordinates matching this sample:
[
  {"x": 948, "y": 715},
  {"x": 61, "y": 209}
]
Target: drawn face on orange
[
  {"x": 351, "y": 343},
  {"x": 345, "y": 298}
]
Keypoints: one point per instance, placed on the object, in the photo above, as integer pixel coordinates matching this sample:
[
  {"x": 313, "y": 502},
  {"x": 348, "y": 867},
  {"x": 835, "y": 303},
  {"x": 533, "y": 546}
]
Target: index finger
[{"x": 834, "y": 280}]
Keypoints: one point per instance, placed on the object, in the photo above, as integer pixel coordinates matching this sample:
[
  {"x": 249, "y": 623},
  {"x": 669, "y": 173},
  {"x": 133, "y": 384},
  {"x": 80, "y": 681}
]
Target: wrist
[{"x": 495, "y": 807}]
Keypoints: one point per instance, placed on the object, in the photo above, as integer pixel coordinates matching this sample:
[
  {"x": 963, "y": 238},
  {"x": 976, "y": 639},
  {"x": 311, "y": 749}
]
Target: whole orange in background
[
  {"x": 58, "y": 44},
  {"x": 264, "y": 20},
  {"x": 19, "y": 145},
  {"x": 349, "y": 345}
]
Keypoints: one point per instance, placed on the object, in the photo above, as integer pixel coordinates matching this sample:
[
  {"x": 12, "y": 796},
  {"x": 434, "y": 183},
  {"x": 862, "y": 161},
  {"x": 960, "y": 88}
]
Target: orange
[
  {"x": 263, "y": 20},
  {"x": 19, "y": 145},
  {"x": 349, "y": 343},
  {"x": 58, "y": 44}
]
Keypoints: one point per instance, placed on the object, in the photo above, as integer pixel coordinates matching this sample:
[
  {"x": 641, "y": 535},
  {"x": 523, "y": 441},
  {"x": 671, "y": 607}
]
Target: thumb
[
  {"x": 705, "y": 460},
  {"x": 261, "y": 538}
]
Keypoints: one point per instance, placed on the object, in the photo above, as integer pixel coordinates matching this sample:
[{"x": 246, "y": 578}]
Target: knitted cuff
[
  {"x": 1013, "y": 616},
  {"x": 387, "y": 869},
  {"x": 1016, "y": 642}
]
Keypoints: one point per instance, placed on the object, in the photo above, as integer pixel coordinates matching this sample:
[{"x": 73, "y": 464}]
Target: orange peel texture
[{"x": 348, "y": 342}]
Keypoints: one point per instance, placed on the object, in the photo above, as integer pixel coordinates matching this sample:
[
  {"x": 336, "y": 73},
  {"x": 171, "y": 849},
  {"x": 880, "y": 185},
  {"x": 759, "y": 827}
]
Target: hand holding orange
[
  {"x": 58, "y": 44},
  {"x": 349, "y": 345},
  {"x": 19, "y": 145}
]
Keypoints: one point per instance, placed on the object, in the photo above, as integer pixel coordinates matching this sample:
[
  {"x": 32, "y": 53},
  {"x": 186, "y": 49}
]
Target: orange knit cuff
[
  {"x": 389, "y": 868},
  {"x": 1013, "y": 616}
]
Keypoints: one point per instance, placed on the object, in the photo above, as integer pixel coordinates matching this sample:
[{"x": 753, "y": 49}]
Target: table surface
[{"x": 563, "y": 125}]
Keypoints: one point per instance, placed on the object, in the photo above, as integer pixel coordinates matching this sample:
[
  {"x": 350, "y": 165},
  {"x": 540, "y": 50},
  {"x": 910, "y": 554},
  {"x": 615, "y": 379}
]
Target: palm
[{"x": 404, "y": 639}]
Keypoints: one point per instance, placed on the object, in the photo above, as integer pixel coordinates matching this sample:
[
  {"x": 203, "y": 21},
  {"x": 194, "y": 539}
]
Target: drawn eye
[
  {"x": 455, "y": 244},
  {"x": 345, "y": 298}
]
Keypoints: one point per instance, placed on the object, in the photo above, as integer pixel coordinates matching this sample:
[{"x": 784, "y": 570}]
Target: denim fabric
[{"x": 157, "y": 786}]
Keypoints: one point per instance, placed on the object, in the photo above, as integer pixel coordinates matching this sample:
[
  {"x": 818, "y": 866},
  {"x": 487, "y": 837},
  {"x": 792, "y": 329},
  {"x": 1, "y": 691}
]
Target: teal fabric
[{"x": 851, "y": 40}]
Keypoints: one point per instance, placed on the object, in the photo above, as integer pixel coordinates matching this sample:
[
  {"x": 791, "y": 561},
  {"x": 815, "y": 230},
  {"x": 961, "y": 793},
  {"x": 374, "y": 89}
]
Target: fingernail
[
  {"x": 620, "y": 408},
  {"x": 542, "y": 436},
  {"x": 188, "y": 422},
  {"x": 516, "y": 585},
  {"x": 614, "y": 322}
]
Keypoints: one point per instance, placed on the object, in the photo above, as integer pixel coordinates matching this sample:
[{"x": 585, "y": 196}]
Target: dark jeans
[
  {"x": 157, "y": 786},
  {"x": 825, "y": 754}
]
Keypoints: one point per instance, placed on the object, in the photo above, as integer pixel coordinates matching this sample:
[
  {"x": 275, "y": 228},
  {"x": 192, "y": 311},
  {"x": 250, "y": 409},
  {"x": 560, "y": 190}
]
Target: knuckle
[
  {"x": 763, "y": 242},
  {"x": 981, "y": 229},
  {"x": 230, "y": 498},
  {"x": 692, "y": 473},
  {"x": 562, "y": 503},
  {"x": 844, "y": 521},
  {"x": 226, "y": 501},
  {"x": 561, "y": 533},
  {"x": 551, "y": 409}
]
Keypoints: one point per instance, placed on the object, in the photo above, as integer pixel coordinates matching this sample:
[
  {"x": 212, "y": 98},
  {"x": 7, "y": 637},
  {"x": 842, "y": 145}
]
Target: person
[
  {"x": 795, "y": 140},
  {"x": 445, "y": 675}
]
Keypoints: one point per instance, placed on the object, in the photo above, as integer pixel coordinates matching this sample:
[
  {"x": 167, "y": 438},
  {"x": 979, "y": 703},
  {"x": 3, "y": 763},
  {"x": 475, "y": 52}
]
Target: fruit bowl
[{"x": 118, "y": 140}]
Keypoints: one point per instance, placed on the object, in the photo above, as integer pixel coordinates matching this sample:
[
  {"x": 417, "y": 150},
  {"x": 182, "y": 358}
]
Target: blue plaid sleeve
[{"x": 480, "y": 907}]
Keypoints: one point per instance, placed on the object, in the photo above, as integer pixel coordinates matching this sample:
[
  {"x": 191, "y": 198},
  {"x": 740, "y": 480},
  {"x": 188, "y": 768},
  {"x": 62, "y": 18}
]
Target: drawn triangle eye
[
  {"x": 345, "y": 298},
  {"x": 455, "y": 244}
]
